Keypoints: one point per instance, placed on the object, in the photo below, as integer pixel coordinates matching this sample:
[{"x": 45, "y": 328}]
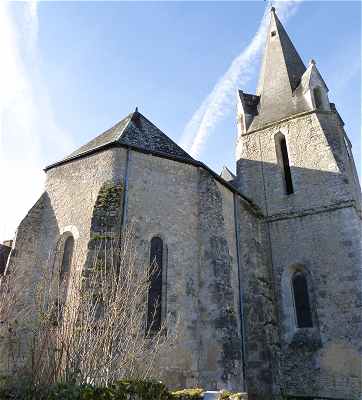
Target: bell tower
[
  {"x": 292, "y": 151},
  {"x": 294, "y": 160}
]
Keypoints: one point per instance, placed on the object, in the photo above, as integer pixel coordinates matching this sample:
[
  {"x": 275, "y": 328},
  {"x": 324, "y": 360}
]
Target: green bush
[
  {"x": 123, "y": 390},
  {"x": 142, "y": 390},
  {"x": 187, "y": 394},
  {"x": 16, "y": 389}
]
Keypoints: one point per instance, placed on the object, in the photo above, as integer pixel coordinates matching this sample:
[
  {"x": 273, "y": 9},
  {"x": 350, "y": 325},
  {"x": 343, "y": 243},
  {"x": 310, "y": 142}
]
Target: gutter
[{"x": 241, "y": 311}]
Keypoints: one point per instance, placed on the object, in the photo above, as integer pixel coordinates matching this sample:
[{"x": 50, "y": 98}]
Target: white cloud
[
  {"x": 27, "y": 125},
  {"x": 221, "y": 100}
]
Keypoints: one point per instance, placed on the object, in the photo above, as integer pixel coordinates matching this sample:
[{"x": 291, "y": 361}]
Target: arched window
[
  {"x": 67, "y": 257},
  {"x": 317, "y": 92},
  {"x": 301, "y": 300},
  {"x": 63, "y": 263},
  {"x": 283, "y": 160},
  {"x": 154, "y": 310}
]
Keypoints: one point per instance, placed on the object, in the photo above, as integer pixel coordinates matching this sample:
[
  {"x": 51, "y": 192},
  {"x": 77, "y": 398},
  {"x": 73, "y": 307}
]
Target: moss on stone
[{"x": 110, "y": 195}]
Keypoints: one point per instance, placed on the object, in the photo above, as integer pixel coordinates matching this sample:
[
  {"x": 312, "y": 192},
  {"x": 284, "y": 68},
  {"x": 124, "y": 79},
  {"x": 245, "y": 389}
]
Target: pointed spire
[{"x": 282, "y": 63}]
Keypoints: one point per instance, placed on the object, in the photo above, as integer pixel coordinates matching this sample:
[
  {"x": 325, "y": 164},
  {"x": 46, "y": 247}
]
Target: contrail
[
  {"x": 221, "y": 99},
  {"x": 29, "y": 134}
]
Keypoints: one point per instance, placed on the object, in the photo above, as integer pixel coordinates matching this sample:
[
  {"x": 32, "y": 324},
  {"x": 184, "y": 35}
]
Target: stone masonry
[{"x": 232, "y": 245}]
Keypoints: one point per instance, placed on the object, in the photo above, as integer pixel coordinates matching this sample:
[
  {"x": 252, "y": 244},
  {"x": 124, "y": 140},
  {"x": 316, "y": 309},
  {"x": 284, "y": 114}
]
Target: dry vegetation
[{"x": 87, "y": 326}]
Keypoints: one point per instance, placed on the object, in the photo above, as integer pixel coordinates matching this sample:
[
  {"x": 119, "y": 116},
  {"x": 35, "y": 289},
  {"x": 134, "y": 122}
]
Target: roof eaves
[
  {"x": 90, "y": 151},
  {"x": 156, "y": 153},
  {"x": 81, "y": 155}
]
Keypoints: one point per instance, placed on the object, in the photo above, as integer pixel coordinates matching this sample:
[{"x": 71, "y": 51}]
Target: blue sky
[{"x": 74, "y": 69}]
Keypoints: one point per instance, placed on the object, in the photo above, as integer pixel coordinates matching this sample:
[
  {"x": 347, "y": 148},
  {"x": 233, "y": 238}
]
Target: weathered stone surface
[
  {"x": 227, "y": 265},
  {"x": 313, "y": 229}
]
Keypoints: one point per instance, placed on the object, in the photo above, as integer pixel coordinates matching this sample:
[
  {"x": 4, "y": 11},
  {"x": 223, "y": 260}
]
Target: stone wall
[
  {"x": 318, "y": 159},
  {"x": 26, "y": 253},
  {"x": 324, "y": 360},
  {"x": 194, "y": 215},
  {"x": 316, "y": 229},
  {"x": 4, "y": 255},
  {"x": 25, "y": 268},
  {"x": 74, "y": 190},
  {"x": 219, "y": 319},
  {"x": 162, "y": 199},
  {"x": 261, "y": 339},
  {"x": 222, "y": 260}
]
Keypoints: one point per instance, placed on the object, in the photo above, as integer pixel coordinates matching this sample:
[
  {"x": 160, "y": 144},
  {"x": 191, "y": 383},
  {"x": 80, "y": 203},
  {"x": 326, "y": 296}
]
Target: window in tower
[
  {"x": 317, "y": 92},
  {"x": 154, "y": 308},
  {"x": 301, "y": 300},
  {"x": 283, "y": 160}
]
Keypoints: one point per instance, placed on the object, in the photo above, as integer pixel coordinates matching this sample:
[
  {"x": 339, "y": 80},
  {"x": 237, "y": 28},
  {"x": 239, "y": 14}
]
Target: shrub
[
  {"x": 84, "y": 324},
  {"x": 122, "y": 390},
  {"x": 140, "y": 390},
  {"x": 187, "y": 394}
]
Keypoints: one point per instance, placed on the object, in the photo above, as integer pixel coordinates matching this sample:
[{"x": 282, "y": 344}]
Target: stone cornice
[
  {"x": 246, "y": 201},
  {"x": 312, "y": 211},
  {"x": 280, "y": 121}
]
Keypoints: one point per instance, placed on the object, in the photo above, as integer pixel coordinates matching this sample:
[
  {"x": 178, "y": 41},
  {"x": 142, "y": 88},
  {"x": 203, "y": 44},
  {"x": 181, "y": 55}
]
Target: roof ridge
[
  {"x": 156, "y": 127},
  {"x": 143, "y": 134},
  {"x": 130, "y": 116}
]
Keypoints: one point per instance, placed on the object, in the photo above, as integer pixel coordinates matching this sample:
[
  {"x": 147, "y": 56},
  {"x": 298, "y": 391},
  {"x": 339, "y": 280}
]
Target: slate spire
[
  {"x": 281, "y": 73},
  {"x": 281, "y": 63}
]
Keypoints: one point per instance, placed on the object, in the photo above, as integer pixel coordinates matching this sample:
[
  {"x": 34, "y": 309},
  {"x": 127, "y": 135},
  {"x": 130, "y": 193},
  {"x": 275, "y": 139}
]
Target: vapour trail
[
  {"x": 28, "y": 131},
  {"x": 222, "y": 98}
]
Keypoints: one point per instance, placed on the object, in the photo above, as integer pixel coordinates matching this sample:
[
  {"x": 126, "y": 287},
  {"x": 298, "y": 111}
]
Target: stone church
[{"x": 263, "y": 267}]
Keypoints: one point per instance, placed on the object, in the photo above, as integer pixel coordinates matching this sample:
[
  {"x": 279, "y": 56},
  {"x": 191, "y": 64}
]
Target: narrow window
[
  {"x": 66, "y": 246},
  {"x": 301, "y": 301},
  {"x": 283, "y": 158},
  {"x": 155, "y": 288},
  {"x": 67, "y": 257},
  {"x": 318, "y": 98}
]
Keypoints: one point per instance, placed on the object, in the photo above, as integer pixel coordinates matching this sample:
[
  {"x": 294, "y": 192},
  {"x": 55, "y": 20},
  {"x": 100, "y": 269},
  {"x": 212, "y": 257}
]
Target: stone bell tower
[{"x": 294, "y": 160}]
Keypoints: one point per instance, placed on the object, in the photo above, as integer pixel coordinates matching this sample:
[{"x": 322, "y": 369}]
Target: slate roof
[
  {"x": 281, "y": 73},
  {"x": 250, "y": 102},
  {"x": 227, "y": 175},
  {"x": 135, "y": 131},
  {"x": 280, "y": 54},
  {"x": 307, "y": 76}
]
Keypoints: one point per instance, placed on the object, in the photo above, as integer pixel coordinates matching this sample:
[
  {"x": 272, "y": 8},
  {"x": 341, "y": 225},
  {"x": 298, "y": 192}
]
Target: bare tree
[
  {"x": 89, "y": 326},
  {"x": 12, "y": 311}
]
